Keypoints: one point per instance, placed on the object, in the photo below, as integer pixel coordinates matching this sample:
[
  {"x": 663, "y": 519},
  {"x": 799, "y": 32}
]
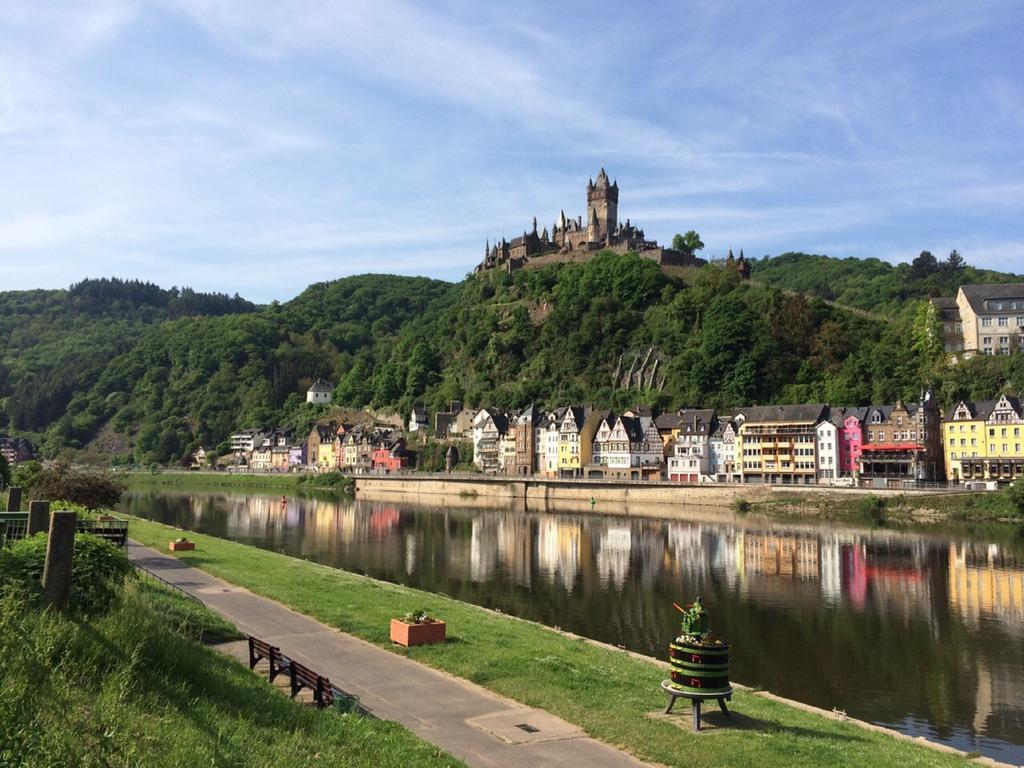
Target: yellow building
[
  {"x": 576, "y": 440},
  {"x": 325, "y": 455},
  {"x": 963, "y": 440},
  {"x": 776, "y": 443},
  {"x": 569, "y": 442},
  {"x": 985, "y": 440}
]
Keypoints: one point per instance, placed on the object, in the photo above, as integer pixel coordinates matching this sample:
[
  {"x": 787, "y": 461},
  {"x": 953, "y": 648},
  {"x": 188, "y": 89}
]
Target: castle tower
[{"x": 603, "y": 198}]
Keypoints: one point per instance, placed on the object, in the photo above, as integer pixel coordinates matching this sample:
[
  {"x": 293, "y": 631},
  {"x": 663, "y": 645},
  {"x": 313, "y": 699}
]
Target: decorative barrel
[{"x": 700, "y": 668}]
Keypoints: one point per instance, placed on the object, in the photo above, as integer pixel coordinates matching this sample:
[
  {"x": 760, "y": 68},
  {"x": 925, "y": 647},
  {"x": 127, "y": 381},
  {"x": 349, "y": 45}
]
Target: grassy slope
[
  {"x": 610, "y": 694},
  {"x": 132, "y": 689}
]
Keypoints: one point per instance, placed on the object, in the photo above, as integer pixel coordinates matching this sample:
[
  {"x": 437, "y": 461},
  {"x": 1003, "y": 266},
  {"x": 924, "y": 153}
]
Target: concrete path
[{"x": 480, "y": 727}]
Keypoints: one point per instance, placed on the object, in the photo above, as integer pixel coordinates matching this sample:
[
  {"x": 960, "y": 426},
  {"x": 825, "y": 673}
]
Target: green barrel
[{"x": 699, "y": 668}]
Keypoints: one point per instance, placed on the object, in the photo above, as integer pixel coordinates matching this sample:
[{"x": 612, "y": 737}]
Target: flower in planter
[{"x": 418, "y": 617}]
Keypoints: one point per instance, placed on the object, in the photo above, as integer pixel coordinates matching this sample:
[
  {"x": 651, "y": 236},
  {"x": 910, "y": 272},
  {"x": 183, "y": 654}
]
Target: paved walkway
[{"x": 480, "y": 727}]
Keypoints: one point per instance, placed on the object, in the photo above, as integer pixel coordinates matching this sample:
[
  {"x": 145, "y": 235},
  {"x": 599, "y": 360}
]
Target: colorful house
[{"x": 851, "y": 437}]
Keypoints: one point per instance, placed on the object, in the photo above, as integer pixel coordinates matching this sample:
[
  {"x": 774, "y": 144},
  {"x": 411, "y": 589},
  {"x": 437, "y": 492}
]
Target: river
[{"x": 921, "y": 632}]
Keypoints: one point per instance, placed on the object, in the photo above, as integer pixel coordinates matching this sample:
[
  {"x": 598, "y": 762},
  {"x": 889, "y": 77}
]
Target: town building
[
  {"x": 984, "y": 440},
  {"x": 689, "y": 460},
  {"x": 626, "y": 448},
  {"x": 247, "y": 439},
  {"x": 722, "y": 446},
  {"x": 524, "y": 435},
  {"x": 851, "y": 438},
  {"x": 16, "y": 449},
  {"x": 827, "y": 457},
  {"x": 983, "y": 319},
  {"x": 574, "y": 452},
  {"x": 777, "y": 443},
  {"x": 964, "y": 440},
  {"x": 572, "y": 238},
  {"x": 319, "y": 393},
  {"x": 418, "y": 419},
  {"x": 901, "y": 444},
  {"x": 487, "y": 434}
]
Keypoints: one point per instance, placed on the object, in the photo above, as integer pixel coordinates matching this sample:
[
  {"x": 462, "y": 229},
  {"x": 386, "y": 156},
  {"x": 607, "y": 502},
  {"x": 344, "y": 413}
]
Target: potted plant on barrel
[{"x": 417, "y": 628}]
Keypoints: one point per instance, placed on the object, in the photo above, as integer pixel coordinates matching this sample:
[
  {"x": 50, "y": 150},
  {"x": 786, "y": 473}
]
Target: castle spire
[{"x": 535, "y": 225}]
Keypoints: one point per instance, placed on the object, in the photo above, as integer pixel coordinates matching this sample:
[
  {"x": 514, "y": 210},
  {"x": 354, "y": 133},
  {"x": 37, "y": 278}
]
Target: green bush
[
  {"x": 98, "y": 571},
  {"x": 873, "y": 507},
  {"x": 1015, "y": 492},
  {"x": 93, "y": 490}
]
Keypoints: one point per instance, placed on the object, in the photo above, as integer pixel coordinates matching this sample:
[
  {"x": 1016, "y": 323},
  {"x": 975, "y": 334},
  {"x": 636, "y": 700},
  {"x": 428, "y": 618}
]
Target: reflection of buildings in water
[
  {"x": 558, "y": 550},
  {"x": 724, "y": 557},
  {"x": 854, "y": 573},
  {"x": 483, "y": 547},
  {"x": 649, "y": 547},
  {"x": 790, "y": 555},
  {"x": 514, "y": 542},
  {"x": 897, "y": 573},
  {"x": 831, "y": 569},
  {"x": 383, "y": 520},
  {"x": 613, "y": 555},
  {"x": 411, "y": 550},
  {"x": 1000, "y": 692},
  {"x": 686, "y": 543},
  {"x": 986, "y": 582}
]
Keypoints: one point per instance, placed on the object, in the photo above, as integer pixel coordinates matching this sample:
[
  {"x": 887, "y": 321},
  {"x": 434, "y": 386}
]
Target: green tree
[
  {"x": 689, "y": 243},
  {"x": 928, "y": 341},
  {"x": 923, "y": 266}
]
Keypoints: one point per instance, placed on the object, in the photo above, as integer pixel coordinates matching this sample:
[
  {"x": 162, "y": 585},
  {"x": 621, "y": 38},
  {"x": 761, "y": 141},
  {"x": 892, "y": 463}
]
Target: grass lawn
[
  {"x": 613, "y": 695},
  {"x": 134, "y": 688}
]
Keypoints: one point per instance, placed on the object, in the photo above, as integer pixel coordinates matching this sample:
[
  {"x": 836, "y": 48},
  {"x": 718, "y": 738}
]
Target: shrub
[
  {"x": 93, "y": 490},
  {"x": 741, "y": 506},
  {"x": 1015, "y": 492},
  {"x": 873, "y": 507},
  {"x": 98, "y": 571}
]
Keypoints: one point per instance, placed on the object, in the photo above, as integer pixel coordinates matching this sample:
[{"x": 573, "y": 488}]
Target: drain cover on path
[{"x": 525, "y": 726}]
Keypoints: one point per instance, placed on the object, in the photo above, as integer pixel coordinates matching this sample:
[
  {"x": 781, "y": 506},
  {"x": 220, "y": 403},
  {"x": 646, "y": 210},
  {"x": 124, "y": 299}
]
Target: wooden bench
[
  {"x": 259, "y": 649},
  {"x": 303, "y": 677}
]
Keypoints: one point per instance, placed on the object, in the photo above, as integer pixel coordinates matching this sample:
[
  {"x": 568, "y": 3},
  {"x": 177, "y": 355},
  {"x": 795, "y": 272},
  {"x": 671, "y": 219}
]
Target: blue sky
[{"x": 259, "y": 146}]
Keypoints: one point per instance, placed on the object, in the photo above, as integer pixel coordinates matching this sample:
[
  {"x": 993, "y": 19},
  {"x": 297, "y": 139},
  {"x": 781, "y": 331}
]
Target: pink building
[{"x": 851, "y": 436}]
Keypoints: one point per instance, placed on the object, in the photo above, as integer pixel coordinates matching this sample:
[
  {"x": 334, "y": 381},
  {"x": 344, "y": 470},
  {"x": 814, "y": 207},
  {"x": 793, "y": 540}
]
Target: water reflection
[{"x": 922, "y": 632}]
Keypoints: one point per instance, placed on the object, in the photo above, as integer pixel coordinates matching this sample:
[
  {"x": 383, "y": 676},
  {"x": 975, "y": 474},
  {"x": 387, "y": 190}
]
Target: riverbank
[
  {"x": 136, "y": 688},
  {"x": 613, "y": 695},
  {"x": 331, "y": 482},
  {"x": 671, "y": 501}
]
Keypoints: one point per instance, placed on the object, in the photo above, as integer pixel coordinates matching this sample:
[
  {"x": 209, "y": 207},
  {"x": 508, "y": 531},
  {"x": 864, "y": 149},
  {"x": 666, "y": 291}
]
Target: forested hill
[
  {"x": 871, "y": 284},
  {"x": 124, "y": 368}
]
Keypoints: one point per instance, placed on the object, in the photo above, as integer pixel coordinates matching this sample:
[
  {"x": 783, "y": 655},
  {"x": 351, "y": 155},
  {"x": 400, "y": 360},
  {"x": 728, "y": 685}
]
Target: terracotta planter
[
  {"x": 416, "y": 634},
  {"x": 181, "y": 546}
]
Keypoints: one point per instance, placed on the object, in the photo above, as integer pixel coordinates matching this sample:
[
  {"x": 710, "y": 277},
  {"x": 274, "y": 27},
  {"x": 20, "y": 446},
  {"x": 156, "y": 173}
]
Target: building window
[
  {"x": 986, "y": 322},
  {"x": 1003, "y": 321}
]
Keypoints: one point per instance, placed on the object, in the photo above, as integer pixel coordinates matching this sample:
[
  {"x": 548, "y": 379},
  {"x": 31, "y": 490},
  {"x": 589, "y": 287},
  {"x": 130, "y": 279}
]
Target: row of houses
[
  {"x": 778, "y": 444},
  {"x": 328, "y": 447}
]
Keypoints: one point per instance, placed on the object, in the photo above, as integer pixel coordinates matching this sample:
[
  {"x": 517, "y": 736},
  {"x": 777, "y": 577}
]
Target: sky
[{"x": 258, "y": 146}]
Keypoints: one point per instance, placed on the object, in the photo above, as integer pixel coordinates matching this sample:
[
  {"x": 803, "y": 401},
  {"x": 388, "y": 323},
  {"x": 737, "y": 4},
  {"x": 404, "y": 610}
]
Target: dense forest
[{"x": 132, "y": 372}]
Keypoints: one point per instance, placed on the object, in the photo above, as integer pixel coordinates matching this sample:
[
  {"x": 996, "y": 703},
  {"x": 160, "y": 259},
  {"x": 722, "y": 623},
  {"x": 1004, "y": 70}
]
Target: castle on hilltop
[{"x": 572, "y": 240}]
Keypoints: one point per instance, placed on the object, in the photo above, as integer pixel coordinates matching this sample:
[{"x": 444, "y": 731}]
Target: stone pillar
[
  {"x": 14, "y": 499},
  {"x": 60, "y": 548},
  {"x": 38, "y": 516}
]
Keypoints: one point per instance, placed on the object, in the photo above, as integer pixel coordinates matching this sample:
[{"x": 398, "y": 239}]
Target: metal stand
[{"x": 695, "y": 701}]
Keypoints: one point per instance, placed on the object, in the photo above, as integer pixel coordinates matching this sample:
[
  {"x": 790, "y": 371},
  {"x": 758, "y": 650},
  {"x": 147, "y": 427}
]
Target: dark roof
[
  {"x": 634, "y": 429},
  {"x": 811, "y": 412},
  {"x": 321, "y": 386},
  {"x": 668, "y": 421},
  {"x": 945, "y": 302},
  {"x": 980, "y": 410},
  {"x": 977, "y": 294}
]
